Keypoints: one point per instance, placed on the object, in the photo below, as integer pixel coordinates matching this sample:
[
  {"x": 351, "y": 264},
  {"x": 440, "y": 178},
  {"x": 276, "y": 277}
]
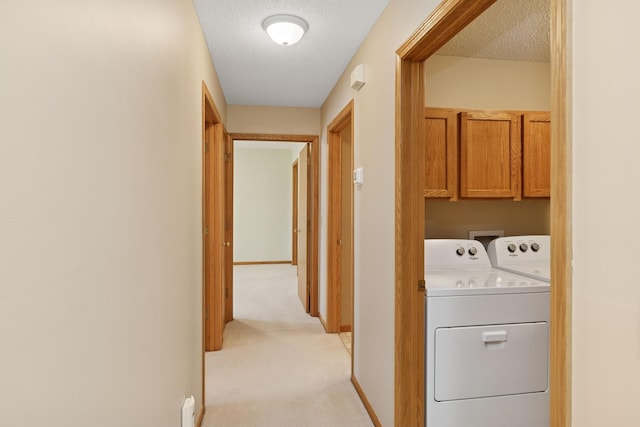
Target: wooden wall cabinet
[
  {"x": 490, "y": 155},
  {"x": 486, "y": 154},
  {"x": 441, "y": 153},
  {"x": 536, "y": 154}
]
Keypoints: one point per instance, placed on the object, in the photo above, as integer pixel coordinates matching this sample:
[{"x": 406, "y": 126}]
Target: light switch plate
[{"x": 358, "y": 176}]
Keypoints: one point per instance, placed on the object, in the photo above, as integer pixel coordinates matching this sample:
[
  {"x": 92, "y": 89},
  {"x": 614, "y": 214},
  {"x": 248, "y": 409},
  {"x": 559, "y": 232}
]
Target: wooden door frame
[
  {"x": 449, "y": 18},
  {"x": 228, "y": 228},
  {"x": 334, "y": 216},
  {"x": 294, "y": 212},
  {"x": 313, "y": 141},
  {"x": 304, "y": 242},
  {"x": 212, "y": 262}
]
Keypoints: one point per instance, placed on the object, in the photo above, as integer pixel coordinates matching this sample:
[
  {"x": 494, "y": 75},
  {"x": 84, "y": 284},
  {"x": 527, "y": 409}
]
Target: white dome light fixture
[{"x": 285, "y": 30}]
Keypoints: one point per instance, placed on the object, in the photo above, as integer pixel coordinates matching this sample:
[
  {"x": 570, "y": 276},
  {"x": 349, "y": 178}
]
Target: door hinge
[
  {"x": 206, "y": 147},
  {"x": 421, "y": 285},
  {"x": 227, "y": 156},
  {"x": 206, "y": 230},
  {"x": 308, "y": 286}
]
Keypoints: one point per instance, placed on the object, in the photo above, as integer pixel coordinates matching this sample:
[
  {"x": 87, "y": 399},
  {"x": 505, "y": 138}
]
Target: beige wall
[
  {"x": 275, "y": 120},
  {"x": 457, "y": 82},
  {"x": 100, "y": 212},
  {"x": 374, "y": 224},
  {"x": 452, "y": 81},
  {"x": 606, "y": 208},
  {"x": 262, "y": 205},
  {"x": 454, "y": 220}
]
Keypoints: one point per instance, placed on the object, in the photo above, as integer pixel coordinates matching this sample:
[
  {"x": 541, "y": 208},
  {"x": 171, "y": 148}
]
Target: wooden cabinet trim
[
  {"x": 536, "y": 155},
  {"x": 448, "y": 165},
  {"x": 528, "y": 167},
  {"x": 498, "y": 183}
]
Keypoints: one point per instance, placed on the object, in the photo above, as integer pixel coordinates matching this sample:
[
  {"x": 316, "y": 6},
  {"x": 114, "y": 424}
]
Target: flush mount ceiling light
[{"x": 285, "y": 29}]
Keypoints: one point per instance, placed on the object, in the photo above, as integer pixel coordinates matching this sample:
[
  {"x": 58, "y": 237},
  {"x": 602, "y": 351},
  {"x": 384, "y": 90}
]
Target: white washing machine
[
  {"x": 487, "y": 341},
  {"x": 526, "y": 255}
]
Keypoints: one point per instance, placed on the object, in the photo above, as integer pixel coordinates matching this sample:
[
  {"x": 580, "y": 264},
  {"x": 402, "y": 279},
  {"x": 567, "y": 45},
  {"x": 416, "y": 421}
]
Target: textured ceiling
[
  {"x": 510, "y": 29},
  {"x": 253, "y": 70}
]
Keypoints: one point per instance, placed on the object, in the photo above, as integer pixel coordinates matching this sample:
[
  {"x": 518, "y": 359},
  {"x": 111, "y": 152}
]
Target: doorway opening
[
  {"x": 449, "y": 18},
  {"x": 294, "y": 213},
  {"x": 340, "y": 242},
  {"x": 214, "y": 258},
  {"x": 340, "y": 226},
  {"x": 305, "y": 232}
]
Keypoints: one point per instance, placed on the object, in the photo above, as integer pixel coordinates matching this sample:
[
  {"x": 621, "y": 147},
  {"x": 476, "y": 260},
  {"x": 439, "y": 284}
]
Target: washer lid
[{"x": 479, "y": 282}]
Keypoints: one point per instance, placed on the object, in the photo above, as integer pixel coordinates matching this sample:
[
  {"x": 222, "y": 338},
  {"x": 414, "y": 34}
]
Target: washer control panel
[
  {"x": 519, "y": 250},
  {"x": 454, "y": 253}
]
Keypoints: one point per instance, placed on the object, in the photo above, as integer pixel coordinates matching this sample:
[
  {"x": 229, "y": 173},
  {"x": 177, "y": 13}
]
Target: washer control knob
[
  {"x": 535, "y": 247},
  {"x": 460, "y": 251},
  {"x": 523, "y": 247},
  {"x": 511, "y": 248},
  {"x": 473, "y": 251}
]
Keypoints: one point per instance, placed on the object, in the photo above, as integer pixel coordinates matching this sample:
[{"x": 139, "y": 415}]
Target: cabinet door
[
  {"x": 441, "y": 153},
  {"x": 490, "y": 155},
  {"x": 536, "y": 158}
]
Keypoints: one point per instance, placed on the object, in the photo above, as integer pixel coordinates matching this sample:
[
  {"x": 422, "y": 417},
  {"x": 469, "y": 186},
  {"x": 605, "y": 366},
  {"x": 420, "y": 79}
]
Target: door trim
[
  {"x": 228, "y": 228},
  {"x": 334, "y": 217},
  {"x": 449, "y": 18},
  {"x": 211, "y": 128},
  {"x": 313, "y": 140},
  {"x": 294, "y": 211}
]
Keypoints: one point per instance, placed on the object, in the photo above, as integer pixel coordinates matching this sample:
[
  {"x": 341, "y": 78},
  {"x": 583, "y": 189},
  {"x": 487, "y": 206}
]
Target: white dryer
[
  {"x": 526, "y": 255},
  {"x": 487, "y": 341}
]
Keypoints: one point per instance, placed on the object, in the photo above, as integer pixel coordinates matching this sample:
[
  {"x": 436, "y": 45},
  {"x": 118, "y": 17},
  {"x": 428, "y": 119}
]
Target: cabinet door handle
[{"x": 494, "y": 336}]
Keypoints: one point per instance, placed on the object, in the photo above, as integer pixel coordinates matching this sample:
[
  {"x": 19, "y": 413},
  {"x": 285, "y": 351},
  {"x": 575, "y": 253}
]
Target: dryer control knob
[
  {"x": 535, "y": 247},
  {"x": 460, "y": 251},
  {"x": 473, "y": 251},
  {"x": 523, "y": 247},
  {"x": 511, "y": 248}
]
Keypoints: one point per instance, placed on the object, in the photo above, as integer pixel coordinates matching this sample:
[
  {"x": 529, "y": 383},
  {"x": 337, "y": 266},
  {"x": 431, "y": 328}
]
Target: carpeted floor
[{"x": 278, "y": 367}]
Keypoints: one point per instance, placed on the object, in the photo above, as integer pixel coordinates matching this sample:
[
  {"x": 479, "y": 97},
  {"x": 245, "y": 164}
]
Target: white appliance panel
[
  {"x": 520, "y": 410},
  {"x": 489, "y": 361},
  {"x": 529, "y": 256},
  {"x": 452, "y": 311},
  {"x": 486, "y": 346},
  {"x": 480, "y": 282}
]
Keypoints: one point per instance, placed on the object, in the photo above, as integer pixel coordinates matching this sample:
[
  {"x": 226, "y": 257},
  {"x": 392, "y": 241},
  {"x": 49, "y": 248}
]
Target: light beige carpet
[{"x": 278, "y": 367}]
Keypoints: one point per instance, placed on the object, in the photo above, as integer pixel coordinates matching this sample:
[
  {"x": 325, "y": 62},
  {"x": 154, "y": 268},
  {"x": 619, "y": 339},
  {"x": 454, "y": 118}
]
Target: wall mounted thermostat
[{"x": 358, "y": 176}]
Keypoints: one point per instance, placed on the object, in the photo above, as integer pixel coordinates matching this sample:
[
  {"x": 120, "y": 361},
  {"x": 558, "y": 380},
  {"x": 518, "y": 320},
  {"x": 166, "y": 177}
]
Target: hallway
[{"x": 278, "y": 367}]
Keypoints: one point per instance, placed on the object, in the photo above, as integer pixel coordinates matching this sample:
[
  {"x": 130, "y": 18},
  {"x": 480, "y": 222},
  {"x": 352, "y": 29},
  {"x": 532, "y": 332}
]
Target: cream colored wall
[
  {"x": 275, "y": 120},
  {"x": 452, "y": 81},
  {"x": 100, "y": 212},
  {"x": 458, "y": 82},
  {"x": 606, "y": 208},
  {"x": 262, "y": 205},
  {"x": 454, "y": 220},
  {"x": 374, "y": 223}
]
